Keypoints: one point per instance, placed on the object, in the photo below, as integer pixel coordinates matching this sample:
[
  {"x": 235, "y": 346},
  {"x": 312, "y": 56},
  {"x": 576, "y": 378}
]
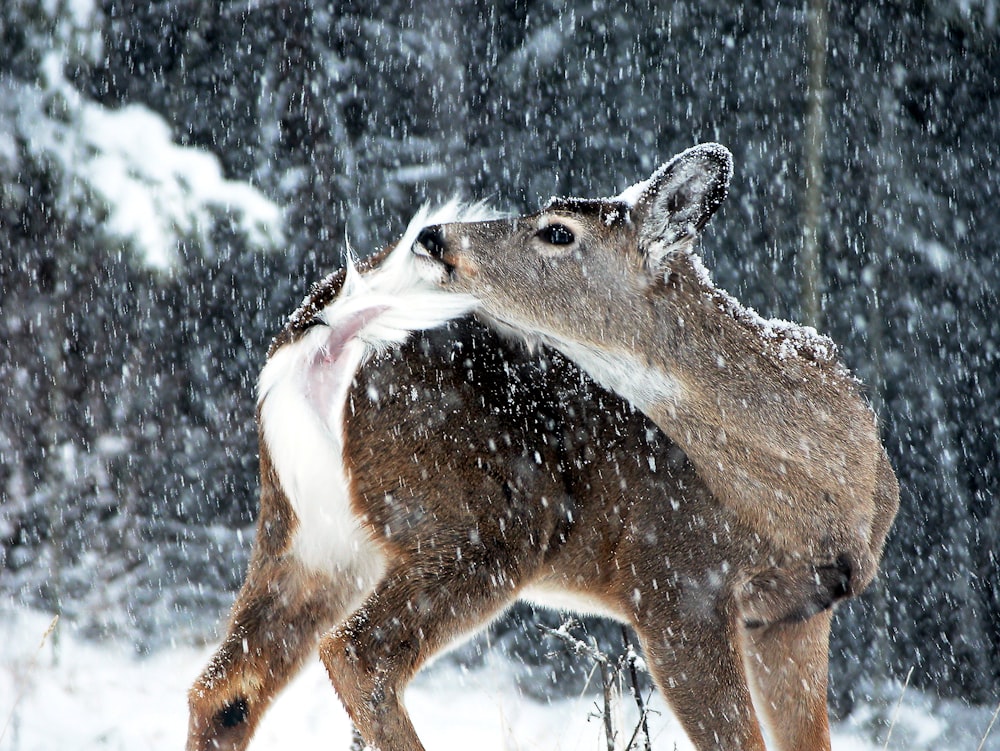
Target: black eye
[{"x": 556, "y": 234}]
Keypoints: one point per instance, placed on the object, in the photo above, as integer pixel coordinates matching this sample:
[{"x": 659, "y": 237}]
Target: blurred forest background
[{"x": 174, "y": 174}]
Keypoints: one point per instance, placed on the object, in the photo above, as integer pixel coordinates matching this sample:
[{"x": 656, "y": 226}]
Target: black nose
[{"x": 432, "y": 238}]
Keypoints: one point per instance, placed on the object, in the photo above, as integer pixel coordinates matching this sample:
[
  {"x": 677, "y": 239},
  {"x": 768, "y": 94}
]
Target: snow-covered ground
[{"x": 80, "y": 695}]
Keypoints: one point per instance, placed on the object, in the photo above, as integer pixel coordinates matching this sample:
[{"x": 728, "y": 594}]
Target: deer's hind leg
[
  {"x": 416, "y": 611},
  {"x": 275, "y": 623},
  {"x": 788, "y": 662}
]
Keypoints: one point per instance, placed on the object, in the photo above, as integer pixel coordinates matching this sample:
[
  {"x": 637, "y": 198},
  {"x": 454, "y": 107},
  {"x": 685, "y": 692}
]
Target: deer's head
[{"x": 579, "y": 261}]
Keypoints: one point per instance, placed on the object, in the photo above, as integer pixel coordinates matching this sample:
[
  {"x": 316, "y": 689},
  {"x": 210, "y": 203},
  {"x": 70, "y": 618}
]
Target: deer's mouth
[
  {"x": 434, "y": 262},
  {"x": 434, "y": 270},
  {"x": 432, "y": 259},
  {"x": 439, "y": 261}
]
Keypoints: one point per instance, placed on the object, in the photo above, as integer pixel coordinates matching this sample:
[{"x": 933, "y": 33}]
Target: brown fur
[
  {"x": 775, "y": 427},
  {"x": 481, "y": 470},
  {"x": 445, "y": 461}
]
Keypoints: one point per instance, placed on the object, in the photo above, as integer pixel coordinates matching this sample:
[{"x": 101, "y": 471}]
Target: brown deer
[
  {"x": 416, "y": 482},
  {"x": 773, "y": 424}
]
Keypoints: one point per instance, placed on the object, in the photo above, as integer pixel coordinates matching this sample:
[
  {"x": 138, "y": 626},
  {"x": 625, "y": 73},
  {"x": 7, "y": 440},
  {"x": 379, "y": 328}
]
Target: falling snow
[{"x": 173, "y": 180}]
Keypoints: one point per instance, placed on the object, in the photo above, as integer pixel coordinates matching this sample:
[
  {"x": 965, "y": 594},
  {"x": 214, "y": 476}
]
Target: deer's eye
[{"x": 556, "y": 234}]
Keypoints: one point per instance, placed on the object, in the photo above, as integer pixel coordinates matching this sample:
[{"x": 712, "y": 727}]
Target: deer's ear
[{"x": 679, "y": 199}]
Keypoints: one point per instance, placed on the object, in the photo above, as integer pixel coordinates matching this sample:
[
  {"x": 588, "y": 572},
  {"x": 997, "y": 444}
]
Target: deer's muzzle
[{"x": 432, "y": 241}]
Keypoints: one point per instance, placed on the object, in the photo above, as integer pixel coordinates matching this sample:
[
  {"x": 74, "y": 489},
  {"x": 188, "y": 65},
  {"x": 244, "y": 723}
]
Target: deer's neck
[
  {"x": 773, "y": 424},
  {"x": 729, "y": 368}
]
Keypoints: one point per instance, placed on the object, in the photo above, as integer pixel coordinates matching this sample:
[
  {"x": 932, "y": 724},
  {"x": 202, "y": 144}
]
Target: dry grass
[{"x": 26, "y": 675}]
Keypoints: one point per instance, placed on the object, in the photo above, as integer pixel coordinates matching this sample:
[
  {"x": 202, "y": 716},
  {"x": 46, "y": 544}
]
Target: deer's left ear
[{"x": 679, "y": 199}]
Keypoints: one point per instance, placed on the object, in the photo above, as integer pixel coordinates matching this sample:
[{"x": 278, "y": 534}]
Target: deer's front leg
[
  {"x": 788, "y": 662},
  {"x": 275, "y": 623},
  {"x": 695, "y": 654},
  {"x": 414, "y": 613}
]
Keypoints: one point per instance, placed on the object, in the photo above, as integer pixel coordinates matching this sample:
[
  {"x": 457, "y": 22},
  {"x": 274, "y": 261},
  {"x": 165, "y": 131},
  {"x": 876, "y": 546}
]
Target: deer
[
  {"x": 775, "y": 426},
  {"x": 422, "y": 467}
]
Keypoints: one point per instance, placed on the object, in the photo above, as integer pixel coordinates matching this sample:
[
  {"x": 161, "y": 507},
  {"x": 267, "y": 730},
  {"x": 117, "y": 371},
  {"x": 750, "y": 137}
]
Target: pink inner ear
[{"x": 327, "y": 373}]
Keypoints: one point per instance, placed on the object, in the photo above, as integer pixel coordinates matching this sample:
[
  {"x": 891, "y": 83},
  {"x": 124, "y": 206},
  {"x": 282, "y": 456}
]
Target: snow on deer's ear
[{"x": 679, "y": 199}]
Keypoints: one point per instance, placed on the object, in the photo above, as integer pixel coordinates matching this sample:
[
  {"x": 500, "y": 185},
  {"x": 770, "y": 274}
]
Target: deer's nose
[{"x": 432, "y": 238}]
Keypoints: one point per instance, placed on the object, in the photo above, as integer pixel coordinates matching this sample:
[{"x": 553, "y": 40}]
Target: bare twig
[
  {"x": 29, "y": 669},
  {"x": 641, "y": 725},
  {"x": 575, "y": 645},
  {"x": 988, "y": 729},
  {"x": 611, "y": 670},
  {"x": 601, "y": 660},
  {"x": 607, "y": 678},
  {"x": 636, "y": 694},
  {"x": 895, "y": 714}
]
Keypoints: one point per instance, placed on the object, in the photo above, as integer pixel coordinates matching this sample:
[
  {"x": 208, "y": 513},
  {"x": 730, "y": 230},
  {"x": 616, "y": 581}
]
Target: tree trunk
[{"x": 810, "y": 266}]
